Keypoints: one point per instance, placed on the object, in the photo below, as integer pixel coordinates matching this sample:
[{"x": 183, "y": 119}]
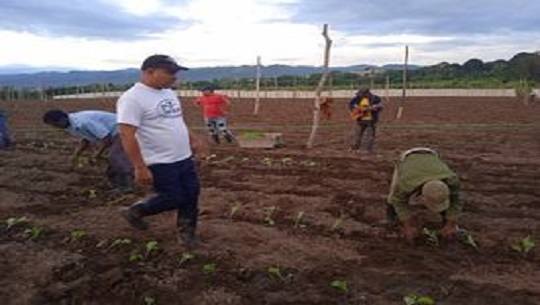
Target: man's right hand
[
  {"x": 143, "y": 176},
  {"x": 410, "y": 231}
]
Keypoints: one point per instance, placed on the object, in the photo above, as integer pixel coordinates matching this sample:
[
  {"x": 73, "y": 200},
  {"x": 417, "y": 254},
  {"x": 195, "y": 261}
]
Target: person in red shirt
[{"x": 214, "y": 106}]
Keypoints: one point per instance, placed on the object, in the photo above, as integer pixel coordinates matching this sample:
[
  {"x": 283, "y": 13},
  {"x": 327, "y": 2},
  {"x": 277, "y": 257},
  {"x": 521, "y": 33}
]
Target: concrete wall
[{"x": 336, "y": 93}]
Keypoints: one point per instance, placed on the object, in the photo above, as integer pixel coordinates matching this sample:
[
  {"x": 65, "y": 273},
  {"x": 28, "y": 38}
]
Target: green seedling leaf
[
  {"x": 228, "y": 159},
  {"x": 413, "y": 299},
  {"x": 33, "y": 233},
  {"x": 275, "y": 272},
  {"x": 340, "y": 285},
  {"x": 209, "y": 269},
  {"x": 268, "y": 218},
  {"x": 244, "y": 159},
  {"x": 211, "y": 157},
  {"x": 469, "y": 241},
  {"x": 234, "y": 209},
  {"x": 310, "y": 163},
  {"x": 267, "y": 161},
  {"x": 121, "y": 242},
  {"x": 336, "y": 226},
  {"x": 149, "y": 301},
  {"x": 431, "y": 237},
  {"x": 77, "y": 234},
  {"x": 287, "y": 161},
  {"x": 186, "y": 257},
  {"x": 298, "y": 220},
  {"x": 135, "y": 257},
  {"x": 151, "y": 247},
  {"x": 524, "y": 245},
  {"x": 92, "y": 194},
  {"x": 15, "y": 221}
]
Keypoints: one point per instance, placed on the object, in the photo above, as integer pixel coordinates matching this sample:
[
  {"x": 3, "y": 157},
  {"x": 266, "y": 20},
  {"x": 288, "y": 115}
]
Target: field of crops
[{"x": 283, "y": 226}]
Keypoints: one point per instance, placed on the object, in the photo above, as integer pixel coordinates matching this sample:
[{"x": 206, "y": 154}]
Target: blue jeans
[
  {"x": 177, "y": 188},
  {"x": 5, "y": 138}
]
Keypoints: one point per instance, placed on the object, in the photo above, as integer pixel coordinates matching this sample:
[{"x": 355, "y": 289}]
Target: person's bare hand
[
  {"x": 411, "y": 232},
  {"x": 143, "y": 176},
  {"x": 449, "y": 230}
]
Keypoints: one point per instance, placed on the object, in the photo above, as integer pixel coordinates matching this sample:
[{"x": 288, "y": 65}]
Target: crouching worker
[
  {"x": 420, "y": 171},
  {"x": 98, "y": 128}
]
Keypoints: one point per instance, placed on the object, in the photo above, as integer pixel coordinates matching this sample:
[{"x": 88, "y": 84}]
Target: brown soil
[{"x": 492, "y": 143}]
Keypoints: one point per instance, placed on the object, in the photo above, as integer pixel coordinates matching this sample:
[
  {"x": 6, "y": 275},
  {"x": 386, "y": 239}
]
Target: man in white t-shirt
[{"x": 159, "y": 145}]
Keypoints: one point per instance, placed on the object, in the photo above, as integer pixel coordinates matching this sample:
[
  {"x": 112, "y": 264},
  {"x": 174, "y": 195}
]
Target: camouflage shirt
[{"x": 412, "y": 172}]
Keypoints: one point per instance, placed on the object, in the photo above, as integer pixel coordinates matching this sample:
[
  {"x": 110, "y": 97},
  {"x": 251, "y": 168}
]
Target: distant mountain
[{"x": 126, "y": 76}]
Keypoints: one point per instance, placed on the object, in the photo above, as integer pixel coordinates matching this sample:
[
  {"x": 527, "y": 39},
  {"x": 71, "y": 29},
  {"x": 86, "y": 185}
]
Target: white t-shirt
[{"x": 161, "y": 131}]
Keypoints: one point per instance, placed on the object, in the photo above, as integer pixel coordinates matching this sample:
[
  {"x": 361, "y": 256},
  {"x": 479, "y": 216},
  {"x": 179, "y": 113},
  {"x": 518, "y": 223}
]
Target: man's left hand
[{"x": 449, "y": 230}]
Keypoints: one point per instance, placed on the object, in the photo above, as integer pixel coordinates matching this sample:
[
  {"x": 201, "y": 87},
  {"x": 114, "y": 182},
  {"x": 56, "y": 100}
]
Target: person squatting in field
[
  {"x": 5, "y": 137},
  {"x": 421, "y": 171},
  {"x": 158, "y": 142},
  {"x": 98, "y": 128},
  {"x": 365, "y": 108},
  {"x": 214, "y": 110}
]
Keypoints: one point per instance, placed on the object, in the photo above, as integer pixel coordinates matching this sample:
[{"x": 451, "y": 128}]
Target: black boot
[
  {"x": 186, "y": 233},
  {"x": 134, "y": 216}
]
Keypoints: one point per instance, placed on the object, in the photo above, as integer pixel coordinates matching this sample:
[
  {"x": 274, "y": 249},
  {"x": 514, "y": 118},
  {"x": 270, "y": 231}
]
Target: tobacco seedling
[
  {"x": 268, "y": 220},
  {"x": 469, "y": 241},
  {"x": 339, "y": 285},
  {"x": 151, "y": 247},
  {"x": 336, "y": 226},
  {"x": 310, "y": 163},
  {"x": 523, "y": 246},
  {"x": 275, "y": 273},
  {"x": 267, "y": 161},
  {"x": 186, "y": 257},
  {"x": 77, "y": 234},
  {"x": 15, "y": 221},
  {"x": 413, "y": 299},
  {"x": 33, "y": 233},
  {"x": 92, "y": 194},
  {"x": 298, "y": 220},
  {"x": 244, "y": 159},
  {"x": 135, "y": 257},
  {"x": 149, "y": 301},
  {"x": 209, "y": 269},
  {"x": 287, "y": 161},
  {"x": 120, "y": 242},
  {"x": 431, "y": 237},
  {"x": 228, "y": 159},
  {"x": 234, "y": 209}
]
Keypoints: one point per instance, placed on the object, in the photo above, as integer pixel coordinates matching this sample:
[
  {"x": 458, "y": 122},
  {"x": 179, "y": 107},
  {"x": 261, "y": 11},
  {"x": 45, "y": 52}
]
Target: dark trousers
[
  {"x": 120, "y": 169},
  {"x": 360, "y": 131},
  {"x": 177, "y": 188}
]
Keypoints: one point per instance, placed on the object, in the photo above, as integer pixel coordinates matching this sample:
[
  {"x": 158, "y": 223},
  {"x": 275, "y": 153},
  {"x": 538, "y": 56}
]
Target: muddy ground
[{"x": 75, "y": 249}]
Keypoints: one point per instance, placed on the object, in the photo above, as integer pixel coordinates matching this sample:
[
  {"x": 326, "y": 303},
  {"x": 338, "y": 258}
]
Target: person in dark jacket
[{"x": 365, "y": 108}]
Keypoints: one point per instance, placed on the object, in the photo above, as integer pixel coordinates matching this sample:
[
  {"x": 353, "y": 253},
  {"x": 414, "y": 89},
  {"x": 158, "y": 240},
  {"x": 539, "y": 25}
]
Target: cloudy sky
[{"x": 115, "y": 34}]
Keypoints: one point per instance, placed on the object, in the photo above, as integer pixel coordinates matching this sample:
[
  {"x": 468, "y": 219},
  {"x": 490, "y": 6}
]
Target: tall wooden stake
[
  {"x": 404, "y": 90},
  {"x": 322, "y": 81},
  {"x": 257, "y": 87}
]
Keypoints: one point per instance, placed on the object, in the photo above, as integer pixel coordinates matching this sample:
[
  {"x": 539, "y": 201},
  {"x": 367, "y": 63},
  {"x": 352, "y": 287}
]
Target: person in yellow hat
[{"x": 420, "y": 171}]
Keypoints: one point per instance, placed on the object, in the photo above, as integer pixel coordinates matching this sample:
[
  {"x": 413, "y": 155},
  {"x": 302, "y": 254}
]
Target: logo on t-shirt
[{"x": 169, "y": 108}]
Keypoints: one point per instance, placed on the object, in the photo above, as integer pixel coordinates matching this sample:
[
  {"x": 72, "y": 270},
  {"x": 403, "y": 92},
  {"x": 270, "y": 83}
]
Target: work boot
[
  {"x": 134, "y": 216},
  {"x": 186, "y": 234}
]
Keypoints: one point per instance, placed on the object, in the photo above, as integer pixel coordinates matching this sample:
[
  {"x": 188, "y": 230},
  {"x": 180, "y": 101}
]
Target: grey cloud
[
  {"x": 79, "y": 18},
  {"x": 430, "y": 17}
]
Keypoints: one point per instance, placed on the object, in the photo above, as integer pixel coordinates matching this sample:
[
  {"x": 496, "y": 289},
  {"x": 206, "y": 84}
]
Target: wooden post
[
  {"x": 387, "y": 89},
  {"x": 317, "y": 109},
  {"x": 257, "y": 86},
  {"x": 404, "y": 89}
]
